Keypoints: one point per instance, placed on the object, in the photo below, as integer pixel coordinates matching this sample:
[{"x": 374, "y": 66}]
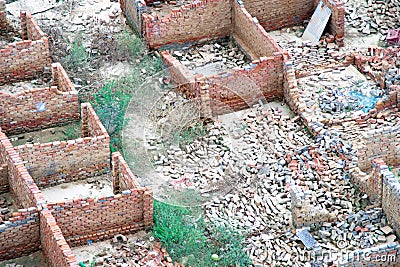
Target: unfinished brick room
[{"x": 199, "y": 133}]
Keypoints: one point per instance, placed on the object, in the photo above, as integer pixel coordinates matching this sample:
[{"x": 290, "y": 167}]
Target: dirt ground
[
  {"x": 35, "y": 259},
  {"x": 93, "y": 187},
  {"x": 69, "y": 131},
  {"x": 132, "y": 252}
]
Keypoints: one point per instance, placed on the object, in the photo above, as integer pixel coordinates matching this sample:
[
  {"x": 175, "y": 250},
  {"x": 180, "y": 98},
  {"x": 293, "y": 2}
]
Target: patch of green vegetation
[
  {"x": 78, "y": 55},
  {"x": 110, "y": 104},
  {"x": 190, "y": 241},
  {"x": 192, "y": 133},
  {"x": 72, "y": 131},
  {"x": 129, "y": 43},
  {"x": 111, "y": 101}
]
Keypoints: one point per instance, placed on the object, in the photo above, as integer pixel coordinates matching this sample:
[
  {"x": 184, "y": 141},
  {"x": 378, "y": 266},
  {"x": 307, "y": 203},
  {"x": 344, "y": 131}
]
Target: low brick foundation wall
[
  {"x": 391, "y": 198},
  {"x": 40, "y": 107},
  {"x": 54, "y": 247},
  {"x": 231, "y": 90},
  {"x": 63, "y": 161},
  {"x": 20, "y": 235},
  {"x": 96, "y": 219},
  {"x": 379, "y": 143},
  {"x": 21, "y": 60},
  {"x": 22, "y": 186},
  {"x": 198, "y": 21},
  {"x": 250, "y": 35},
  {"x": 123, "y": 177}
]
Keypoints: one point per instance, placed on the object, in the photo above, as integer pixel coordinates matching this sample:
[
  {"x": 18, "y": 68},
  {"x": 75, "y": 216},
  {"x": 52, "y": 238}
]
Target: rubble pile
[
  {"x": 334, "y": 93},
  {"x": 308, "y": 57},
  {"x": 224, "y": 53},
  {"x": 203, "y": 163},
  {"x": 132, "y": 252},
  {"x": 372, "y": 17},
  {"x": 360, "y": 230}
]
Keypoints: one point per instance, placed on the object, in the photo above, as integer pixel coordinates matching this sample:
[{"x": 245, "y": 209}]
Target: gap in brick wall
[
  {"x": 66, "y": 132},
  {"x": 93, "y": 187}
]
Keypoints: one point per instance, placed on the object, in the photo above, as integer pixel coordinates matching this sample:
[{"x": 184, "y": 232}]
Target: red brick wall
[
  {"x": 381, "y": 143},
  {"x": 3, "y": 17},
  {"x": 20, "y": 236},
  {"x": 91, "y": 124},
  {"x": 250, "y": 35},
  {"x": 19, "y": 112},
  {"x": 96, "y": 219},
  {"x": 204, "y": 20},
  {"x": 233, "y": 89},
  {"x": 22, "y": 186},
  {"x": 336, "y": 23},
  {"x": 21, "y": 60},
  {"x": 64, "y": 161},
  {"x": 123, "y": 178},
  {"x": 239, "y": 89},
  {"x": 4, "y": 186},
  {"x": 54, "y": 247},
  {"x": 29, "y": 27},
  {"x": 180, "y": 75},
  {"x": 276, "y": 14}
]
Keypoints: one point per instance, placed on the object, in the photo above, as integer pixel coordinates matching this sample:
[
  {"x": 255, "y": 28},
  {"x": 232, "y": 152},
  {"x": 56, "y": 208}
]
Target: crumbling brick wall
[
  {"x": 370, "y": 183},
  {"x": 231, "y": 90},
  {"x": 276, "y": 14},
  {"x": 22, "y": 186},
  {"x": 64, "y": 161},
  {"x": 336, "y": 22},
  {"x": 4, "y": 186},
  {"x": 20, "y": 234},
  {"x": 250, "y": 35},
  {"x": 391, "y": 198},
  {"x": 237, "y": 89},
  {"x": 21, "y": 60},
  {"x": 96, "y": 219},
  {"x": 180, "y": 75},
  {"x": 383, "y": 187},
  {"x": 40, "y": 107},
  {"x": 198, "y": 21},
  {"x": 381, "y": 143},
  {"x": 54, "y": 247}
]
